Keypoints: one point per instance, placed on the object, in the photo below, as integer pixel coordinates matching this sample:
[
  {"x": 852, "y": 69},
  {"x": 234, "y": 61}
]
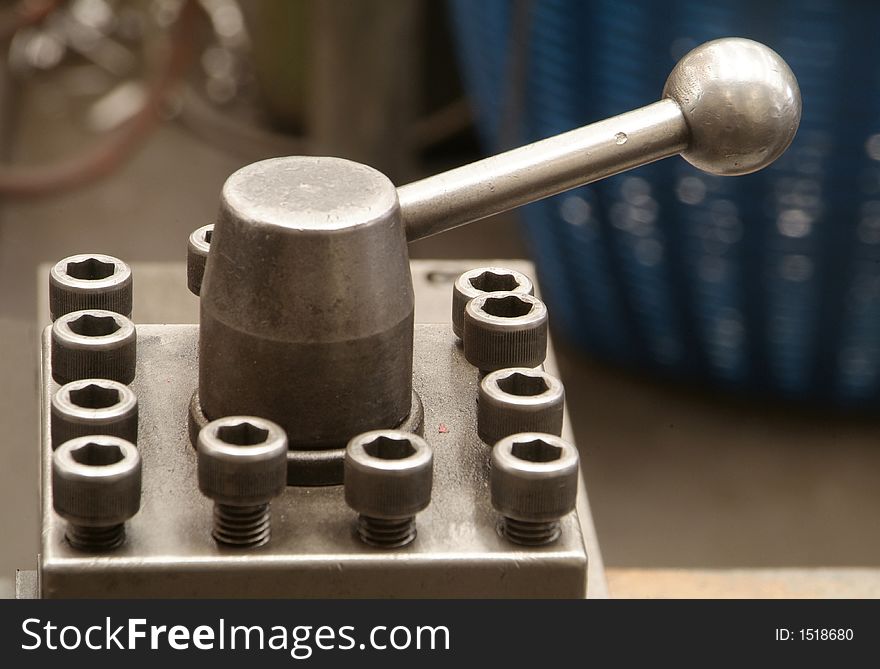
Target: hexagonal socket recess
[
  {"x": 93, "y": 406},
  {"x": 197, "y": 249},
  {"x": 481, "y": 280},
  {"x": 93, "y": 343},
  {"x": 389, "y": 475},
  {"x": 505, "y": 329},
  {"x": 90, "y": 281},
  {"x": 533, "y": 482},
  {"x": 96, "y": 487},
  {"x": 242, "y": 466},
  {"x": 519, "y": 399}
]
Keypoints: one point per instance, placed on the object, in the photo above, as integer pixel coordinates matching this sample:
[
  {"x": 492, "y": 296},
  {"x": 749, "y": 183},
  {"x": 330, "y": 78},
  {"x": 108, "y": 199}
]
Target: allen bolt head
[
  {"x": 90, "y": 281},
  {"x": 482, "y": 280},
  {"x": 94, "y": 406},
  {"x": 505, "y": 329},
  {"x": 519, "y": 399},
  {"x": 388, "y": 474},
  {"x": 534, "y": 477},
  {"x": 93, "y": 344},
  {"x": 197, "y": 249},
  {"x": 242, "y": 460},
  {"x": 96, "y": 481}
]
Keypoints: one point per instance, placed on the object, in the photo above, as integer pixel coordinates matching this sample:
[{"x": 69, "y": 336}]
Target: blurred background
[{"x": 718, "y": 338}]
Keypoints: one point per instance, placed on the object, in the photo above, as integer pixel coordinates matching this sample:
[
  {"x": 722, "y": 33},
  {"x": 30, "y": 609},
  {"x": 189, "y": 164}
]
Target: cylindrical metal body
[{"x": 307, "y": 302}]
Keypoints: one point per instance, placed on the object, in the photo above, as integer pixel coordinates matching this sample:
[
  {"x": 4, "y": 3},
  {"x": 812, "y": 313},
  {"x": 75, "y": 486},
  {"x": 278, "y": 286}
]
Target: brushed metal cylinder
[{"x": 307, "y": 302}]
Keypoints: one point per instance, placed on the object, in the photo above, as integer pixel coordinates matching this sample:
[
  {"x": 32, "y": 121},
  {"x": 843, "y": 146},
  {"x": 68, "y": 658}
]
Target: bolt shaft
[
  {"x": 244, "y": 526},
  {"x": 529, "y": 533},
  {"x": 386, "y": 533},
  {"x": 94, "y": 539}
]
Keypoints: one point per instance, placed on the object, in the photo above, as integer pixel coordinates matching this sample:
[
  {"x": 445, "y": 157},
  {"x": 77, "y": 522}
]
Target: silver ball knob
[{"x": 741, "y": 103}]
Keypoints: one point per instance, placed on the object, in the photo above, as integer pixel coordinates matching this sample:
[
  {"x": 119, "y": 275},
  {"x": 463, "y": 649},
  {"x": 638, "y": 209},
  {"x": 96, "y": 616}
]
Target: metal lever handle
[{"x": 730, "y": 107}]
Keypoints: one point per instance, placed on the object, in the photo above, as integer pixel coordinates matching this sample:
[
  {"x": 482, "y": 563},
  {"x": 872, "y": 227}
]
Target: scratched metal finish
[{"x": 314, "y": 551}]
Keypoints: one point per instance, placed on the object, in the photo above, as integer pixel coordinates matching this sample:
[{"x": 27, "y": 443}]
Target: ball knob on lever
[{"x": 730, "y": 107}]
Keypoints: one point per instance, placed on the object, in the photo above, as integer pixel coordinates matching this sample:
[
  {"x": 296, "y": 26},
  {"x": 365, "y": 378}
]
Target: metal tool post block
[
  {"x": 307, "y": 321},
  {"x": 481, "y": 280},
  {"x": 314, "y": 550}
]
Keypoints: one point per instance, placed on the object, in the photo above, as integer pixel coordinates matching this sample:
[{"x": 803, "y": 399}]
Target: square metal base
[{"x": 314, "y": 551}]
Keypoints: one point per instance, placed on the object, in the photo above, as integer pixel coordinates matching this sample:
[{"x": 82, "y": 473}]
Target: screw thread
[
  {"x": 244, "y": 526},
  {"x": 386, "y": 533},
  {"x": 95, "y": 539},
  {"x": 530, "y": 533}
]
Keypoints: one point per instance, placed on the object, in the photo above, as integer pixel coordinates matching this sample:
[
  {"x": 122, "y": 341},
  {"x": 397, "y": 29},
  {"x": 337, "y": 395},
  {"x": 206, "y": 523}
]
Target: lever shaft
[
  {"x": 545, "y": 168},
  {"x": 731, "y": 107}
]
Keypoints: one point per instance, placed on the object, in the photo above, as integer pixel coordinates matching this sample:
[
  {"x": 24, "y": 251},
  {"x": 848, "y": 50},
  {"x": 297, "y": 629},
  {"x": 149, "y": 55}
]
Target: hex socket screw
[
  {"x": 505, "y": 329},
  {"x": 93, "y": 406},
  {"x": 519, "y": 399},
  {"x": 242, "y": 466},
  {"x": 96, "y": 488},
  {"x": 90, "y": 281},
  {"x": 197, "y": 248},
  {"x": 533, "y": 482},
  {"x": 389, "y": 475},
  {"x": 482, "y": 280},
  {"x": 93, "y": 343}
]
